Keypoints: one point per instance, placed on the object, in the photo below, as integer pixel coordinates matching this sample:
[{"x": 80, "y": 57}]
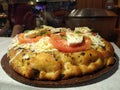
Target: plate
[{"x": 72, "y": 82}]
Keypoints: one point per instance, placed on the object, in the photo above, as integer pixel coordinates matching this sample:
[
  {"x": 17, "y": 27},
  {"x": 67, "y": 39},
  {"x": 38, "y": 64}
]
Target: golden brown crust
[{"x": 58, "y": 65}]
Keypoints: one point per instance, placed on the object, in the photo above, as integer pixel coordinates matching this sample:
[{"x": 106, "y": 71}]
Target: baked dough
[{"x": 54, "y": 64}]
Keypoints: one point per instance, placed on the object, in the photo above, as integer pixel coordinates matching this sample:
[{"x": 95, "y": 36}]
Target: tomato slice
[
  {"x": 61, "y": 44},
  {"x": 27, "y": 40}
]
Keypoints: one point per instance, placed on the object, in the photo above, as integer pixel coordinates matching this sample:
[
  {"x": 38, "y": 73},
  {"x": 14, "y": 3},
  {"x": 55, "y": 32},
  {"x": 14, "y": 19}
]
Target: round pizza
[{"x": 50, "y": 53}]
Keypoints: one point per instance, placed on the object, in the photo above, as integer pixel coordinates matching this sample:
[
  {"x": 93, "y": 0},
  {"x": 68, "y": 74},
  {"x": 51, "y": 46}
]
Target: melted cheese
[
  {"x": 32, "y": 33},
  {"x": 73, "y": 38},
  {"x": 82, "y": 29},
  {"x": 43, "y": 45},
  {"x": 15, "y": 56},
  {"x": 14, "y": 42},
  {"x": 96, "y": 39},
  {"x": 55, "y": 30}
]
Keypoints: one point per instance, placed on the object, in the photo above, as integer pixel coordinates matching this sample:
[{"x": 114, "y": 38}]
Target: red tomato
[
  {"x": 27, "y": 40},
  {"x": 62, "y": 45},
  {"x": 62, "y": 33}
]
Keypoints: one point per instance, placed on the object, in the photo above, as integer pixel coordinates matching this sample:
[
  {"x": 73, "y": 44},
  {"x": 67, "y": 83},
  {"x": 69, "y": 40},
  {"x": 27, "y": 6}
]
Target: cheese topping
[
  {"x": 14, "y": 42},
  {"x": 32, "y": 33},
  {"x": 55, "y": 30},
  {"x": 73, "y": 37},
  {"x": 43, "y": 45},
  {"x": 15, "y": 56},
  {"x": 82, "y": 29},
  {"x": 96, "y": 39}
]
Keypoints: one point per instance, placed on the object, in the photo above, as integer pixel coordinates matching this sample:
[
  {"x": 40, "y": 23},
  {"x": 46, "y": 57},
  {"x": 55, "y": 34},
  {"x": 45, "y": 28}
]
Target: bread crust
[{"x": 56, "y": 65}]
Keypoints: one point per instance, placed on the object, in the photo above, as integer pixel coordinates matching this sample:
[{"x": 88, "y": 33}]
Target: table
[{"x": 7, "y": 83}]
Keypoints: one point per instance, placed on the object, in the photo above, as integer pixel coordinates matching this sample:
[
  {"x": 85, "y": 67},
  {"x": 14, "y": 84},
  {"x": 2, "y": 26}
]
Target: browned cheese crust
[{"x": 58, "y": 65}]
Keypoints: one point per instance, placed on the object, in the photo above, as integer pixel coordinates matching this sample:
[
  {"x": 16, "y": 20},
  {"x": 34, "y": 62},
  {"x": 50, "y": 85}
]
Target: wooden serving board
[{"x": 72, "y": 82}]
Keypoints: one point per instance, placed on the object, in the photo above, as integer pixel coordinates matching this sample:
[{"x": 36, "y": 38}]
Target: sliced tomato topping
[
  {"x": 63, "y": 33},
  {"x": 62, "y": 45},
  {"x": 27, "y": 40}
]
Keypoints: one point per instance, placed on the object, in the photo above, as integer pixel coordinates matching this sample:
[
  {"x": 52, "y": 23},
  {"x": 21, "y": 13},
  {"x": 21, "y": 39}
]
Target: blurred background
[{"x": 102, "y": 16}]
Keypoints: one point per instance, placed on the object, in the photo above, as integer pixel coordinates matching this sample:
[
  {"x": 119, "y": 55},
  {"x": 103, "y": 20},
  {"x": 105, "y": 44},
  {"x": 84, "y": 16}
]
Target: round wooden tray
[{"x": 72, "y": 82}]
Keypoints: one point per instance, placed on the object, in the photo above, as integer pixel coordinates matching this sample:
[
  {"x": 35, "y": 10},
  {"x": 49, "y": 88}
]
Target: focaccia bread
[{"x": 52, "y": 53}]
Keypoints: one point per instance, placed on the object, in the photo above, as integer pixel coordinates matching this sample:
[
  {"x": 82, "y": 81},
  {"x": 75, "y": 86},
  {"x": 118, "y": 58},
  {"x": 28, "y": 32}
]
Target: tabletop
[{"x": 108, "y": 81}]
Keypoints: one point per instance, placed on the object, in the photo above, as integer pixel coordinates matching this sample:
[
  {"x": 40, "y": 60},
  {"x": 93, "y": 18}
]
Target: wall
[
  {"x": 93, "y": 3},
  {"x": 89, "y": 4},
  {"x": 119, "y": 2}
]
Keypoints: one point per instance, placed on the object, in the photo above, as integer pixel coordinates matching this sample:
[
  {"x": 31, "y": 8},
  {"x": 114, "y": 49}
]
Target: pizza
[{"x": 50, "y": 53}]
